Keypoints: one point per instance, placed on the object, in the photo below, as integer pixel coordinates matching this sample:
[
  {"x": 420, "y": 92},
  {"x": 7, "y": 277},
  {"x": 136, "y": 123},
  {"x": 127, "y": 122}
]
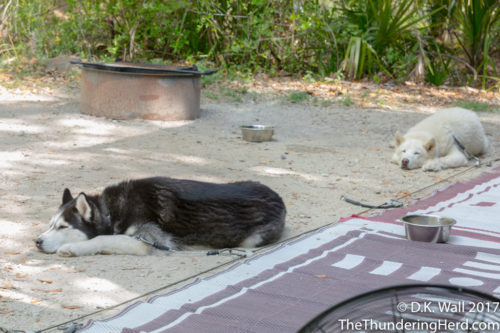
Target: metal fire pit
[{"x": 124, "y": 90}]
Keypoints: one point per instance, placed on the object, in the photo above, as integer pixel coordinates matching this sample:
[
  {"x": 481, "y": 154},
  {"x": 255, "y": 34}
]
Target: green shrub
[
  {"x": 374, "y": 39},
  {"x": 378, "y": 26}
]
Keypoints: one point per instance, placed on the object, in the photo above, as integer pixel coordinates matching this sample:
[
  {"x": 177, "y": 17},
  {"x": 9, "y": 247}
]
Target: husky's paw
[
  {"x": 67, "y": 250},
  {"x": 432, "y": 165}
]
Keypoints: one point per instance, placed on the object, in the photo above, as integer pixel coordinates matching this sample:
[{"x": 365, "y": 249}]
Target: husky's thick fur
[
  {"x": 172, "y": 213},
  {"x": 431, "y": 143}
]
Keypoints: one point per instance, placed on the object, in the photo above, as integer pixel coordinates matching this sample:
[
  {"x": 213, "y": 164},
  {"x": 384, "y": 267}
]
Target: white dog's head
[
  {"x": 412, "y": 153},
  {"x": 72, "y": 223}
]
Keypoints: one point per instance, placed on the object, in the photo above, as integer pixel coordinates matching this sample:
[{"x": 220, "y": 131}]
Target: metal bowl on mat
[
  {"x": 428, "y": 228},
  {"x": 257, "y": 133}
]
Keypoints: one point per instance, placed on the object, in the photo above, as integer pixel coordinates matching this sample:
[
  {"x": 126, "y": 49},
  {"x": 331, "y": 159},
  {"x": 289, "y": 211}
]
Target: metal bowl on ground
[
  {"x": 257, "y": 133},
  {"x": 428, "y": 228}
]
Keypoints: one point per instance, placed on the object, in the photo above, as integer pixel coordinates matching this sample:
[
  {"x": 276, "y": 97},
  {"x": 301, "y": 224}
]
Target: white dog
[{"x": 432, "y": 143}]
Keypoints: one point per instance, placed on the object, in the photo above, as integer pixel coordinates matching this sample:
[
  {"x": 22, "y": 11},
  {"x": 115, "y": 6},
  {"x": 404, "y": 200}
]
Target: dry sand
[{"x": 317, "y": 155}]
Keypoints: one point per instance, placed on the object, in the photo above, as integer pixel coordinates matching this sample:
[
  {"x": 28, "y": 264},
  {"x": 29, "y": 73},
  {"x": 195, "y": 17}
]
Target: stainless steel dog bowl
[
  {"x": 428, "y": 228},
  {"x": 257, "y": 133}
]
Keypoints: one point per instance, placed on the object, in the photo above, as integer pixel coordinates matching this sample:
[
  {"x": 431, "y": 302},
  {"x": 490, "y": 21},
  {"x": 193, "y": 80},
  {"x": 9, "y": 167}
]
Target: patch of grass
[
  {"x": 254, "y": 96},
  {"x": 298, "y": 97},
  {"x": 207, "y": 80},
  {"x": 476, "y": 106},
  {"x": 241, "y": 90},
  {"x": 235, "y": 94},
  {"x": 347, "y": 100},
  {"x": 381, "y": 101},
  {"x": 12, "y": 83},
  {"x": 320, "y": 102},
  {"x": 309, "y": 77},
  {"x": 211, "y": 95}
]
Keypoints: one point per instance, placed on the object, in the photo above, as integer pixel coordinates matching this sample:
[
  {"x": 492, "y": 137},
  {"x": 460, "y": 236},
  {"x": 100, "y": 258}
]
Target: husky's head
[
  {"x": 74, "y": 221},
  {"x": 412, "y": 153}
]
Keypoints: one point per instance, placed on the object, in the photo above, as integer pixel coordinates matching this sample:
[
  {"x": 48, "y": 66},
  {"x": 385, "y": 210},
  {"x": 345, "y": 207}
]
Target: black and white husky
[{"x": 169, "y": 213}]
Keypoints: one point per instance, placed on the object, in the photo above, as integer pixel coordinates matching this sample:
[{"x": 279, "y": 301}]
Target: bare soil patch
[{"x": 320, "y": 151}]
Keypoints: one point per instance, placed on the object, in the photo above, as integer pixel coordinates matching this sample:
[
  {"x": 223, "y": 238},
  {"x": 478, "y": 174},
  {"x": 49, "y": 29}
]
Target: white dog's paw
[
  {"x": 432, "y": 165},
  {"x": 67, "y": 250}
]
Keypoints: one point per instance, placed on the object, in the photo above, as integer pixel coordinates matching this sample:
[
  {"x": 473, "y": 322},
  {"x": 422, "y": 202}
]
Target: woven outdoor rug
[{"x": 282, "y": 289}]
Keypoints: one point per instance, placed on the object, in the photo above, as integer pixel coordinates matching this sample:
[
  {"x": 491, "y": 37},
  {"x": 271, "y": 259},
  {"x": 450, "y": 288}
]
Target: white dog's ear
[
  {"x": 399, "y": 138},
  {"x": 83, "y": 207},
  {"x": 430, "y": 144},
  {"x": 67, "y": 197}
]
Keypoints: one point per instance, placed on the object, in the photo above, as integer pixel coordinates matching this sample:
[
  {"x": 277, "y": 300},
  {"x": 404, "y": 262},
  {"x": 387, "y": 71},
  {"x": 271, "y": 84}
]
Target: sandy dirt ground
[{"x": 318, "y": 154}]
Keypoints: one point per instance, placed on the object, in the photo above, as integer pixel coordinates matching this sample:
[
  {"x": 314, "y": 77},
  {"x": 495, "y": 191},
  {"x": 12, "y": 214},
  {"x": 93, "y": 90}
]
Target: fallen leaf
[
  {"x": 36, "y": 301},
  {"x": 58, "y": 290},
  {"x": 22, "y": 276},
  {"x": 71, "y": 307},
  {"x": 45, "y": 281},
  {"x": 320, "y": 276},
  {"x": 7, "y": 286},
  {"x": 6, "y": 312}
]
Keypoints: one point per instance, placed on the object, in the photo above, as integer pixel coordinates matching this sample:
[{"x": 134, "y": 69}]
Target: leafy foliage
[
  {"x": 382, "y": 26},
  {"x": 376, "y": 39},
  {"x": 475, "y": 20}
]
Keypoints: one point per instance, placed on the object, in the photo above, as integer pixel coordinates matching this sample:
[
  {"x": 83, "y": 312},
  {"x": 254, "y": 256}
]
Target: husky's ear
[
  {"x": 83, "y": 206},
  {"x": 430, "y": 144},
  {"x": 398, "y": 137},
  {"x": 67, "y": 197}
]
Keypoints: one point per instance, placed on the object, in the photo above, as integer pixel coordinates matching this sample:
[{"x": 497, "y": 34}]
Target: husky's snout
[
  {"x": 51, "y": 240},
  {"x": 39, "y": 243},
  {"x": 42, "y": 246}
]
